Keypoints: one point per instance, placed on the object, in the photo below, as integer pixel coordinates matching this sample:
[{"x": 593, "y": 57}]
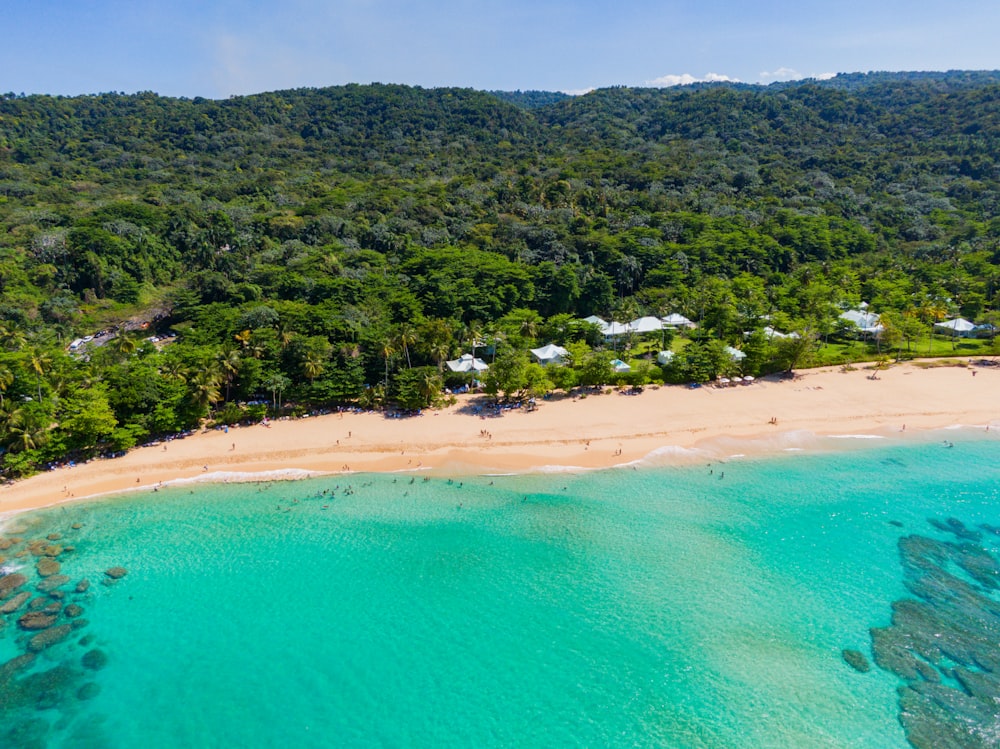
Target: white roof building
[
  {"x": 674, "y": 320},
  {"x": 646, "y": 325},
  {"x": 665, "y": 357},
  {"x": 735, "y": 354},
  {"x": 550, "y": 354},
  {"x": 467, "y": 363},
  {"x": 866, "y": 322},
  {"x": 616, "y": 329},
  {"x": 599, "y": 322}
]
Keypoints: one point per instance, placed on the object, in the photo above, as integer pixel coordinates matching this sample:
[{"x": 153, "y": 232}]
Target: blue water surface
[{"x": 685, "y": 606}]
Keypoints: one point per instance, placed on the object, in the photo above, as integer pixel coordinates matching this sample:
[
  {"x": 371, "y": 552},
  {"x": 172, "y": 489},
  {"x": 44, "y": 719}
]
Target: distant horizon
[
  {"x": 222, "y": 48},
  {"x": 523, "y": 90}
]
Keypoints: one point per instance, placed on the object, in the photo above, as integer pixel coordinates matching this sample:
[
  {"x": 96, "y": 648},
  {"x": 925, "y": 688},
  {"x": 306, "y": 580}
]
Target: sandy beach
[{"x": 603, "y": 430}]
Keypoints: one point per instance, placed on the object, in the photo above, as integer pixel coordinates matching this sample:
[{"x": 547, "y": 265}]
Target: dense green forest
[{"x": 319, "y": 247}]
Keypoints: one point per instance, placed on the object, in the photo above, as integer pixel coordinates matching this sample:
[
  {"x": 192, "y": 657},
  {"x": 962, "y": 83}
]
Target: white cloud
[
  {"x": 781, "y": 74},
  {"x": 824, "y": 76},
  {"x": 685, "y": 79},
  {"x": 578, "y": 91}
]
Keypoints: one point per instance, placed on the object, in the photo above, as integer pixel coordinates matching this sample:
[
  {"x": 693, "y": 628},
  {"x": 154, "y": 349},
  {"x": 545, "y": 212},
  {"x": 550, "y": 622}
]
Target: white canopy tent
[
  {"x": 550, "y": 354},
  {"x": 467, "y": 363},
  {"x": 957, "y": 327}
]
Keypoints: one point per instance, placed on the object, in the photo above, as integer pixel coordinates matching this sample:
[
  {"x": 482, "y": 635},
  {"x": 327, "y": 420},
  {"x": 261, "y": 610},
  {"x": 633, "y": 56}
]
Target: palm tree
[
  {"x": 472, "y": 332},
  {"x": 11, "y": 337},
  {"x": 243, "y": 338},
  {"x": 429, "y": 385},
  {"x": 41, "y": 362},
  {"x": 312, "y": 366},
  {"x": 388, "y": 349},
  {"x": 440, "y": 350},
  {"x": 6, "y": 380},
  {"x": 175, "y": 370},
  {"x": 123, "y": 344},
  {"x": 205, "y": 388},
  {"x": 406, "y": 335},
  {"x": 229, "y": 365},
  {"x": 23, "y": 429}
]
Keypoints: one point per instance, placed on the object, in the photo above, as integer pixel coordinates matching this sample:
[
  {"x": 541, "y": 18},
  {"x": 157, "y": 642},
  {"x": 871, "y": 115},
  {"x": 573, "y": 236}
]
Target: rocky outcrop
[
  {"x": 856, "y": 660},
  {"x": 11, "y": 582},
  {"x": 94, "y": 660},
  {"x": 49, "y": 637},
  {"x": 13, "y": 604},
  {"x": 51, "y": 583},
  {"x": 47, "y": 566},
  {"x": 35, "y": 620},
  {"x": 116, "y": 573}
]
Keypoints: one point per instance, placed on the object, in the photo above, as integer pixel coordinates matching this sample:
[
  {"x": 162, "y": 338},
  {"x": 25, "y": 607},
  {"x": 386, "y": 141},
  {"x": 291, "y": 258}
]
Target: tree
[
  {"x": 595, "y": 369},
  {"x": 122, "y": 344},
  {"x": 41, "y": 363},
  {"x": 205, "y": 389},
  {"x": 507, "y": 375},
  {"x": 277, "y": 383},
  {"x": 6, "y": 380},
  {"x": 228, "y": 361},
  {"x": 417, "y": 387},
  {"x": 88, "y": 418},
  {"x": 406, "y": 336}
]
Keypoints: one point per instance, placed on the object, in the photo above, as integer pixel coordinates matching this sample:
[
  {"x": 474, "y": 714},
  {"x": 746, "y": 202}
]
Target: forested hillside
[{"x": 316, "y": 247}]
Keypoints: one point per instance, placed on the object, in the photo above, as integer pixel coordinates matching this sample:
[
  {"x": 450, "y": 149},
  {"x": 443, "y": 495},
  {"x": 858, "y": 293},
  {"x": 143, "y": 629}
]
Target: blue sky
[{"x": 218, "y": 48}]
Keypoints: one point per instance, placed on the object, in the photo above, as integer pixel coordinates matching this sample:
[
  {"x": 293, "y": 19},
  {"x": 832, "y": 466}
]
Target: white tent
[
  {"x": 665, "y": 357},
  {"x": 646, "y": 325},
  {"x": 619, "y": 366},
  {"x": 735, "y": 354},
  {"x": 550, "y": 354},
  {"x": 959, "y": 326},
  {"x": 467, "y": 363},
  {"x": 674, "y": 320}
]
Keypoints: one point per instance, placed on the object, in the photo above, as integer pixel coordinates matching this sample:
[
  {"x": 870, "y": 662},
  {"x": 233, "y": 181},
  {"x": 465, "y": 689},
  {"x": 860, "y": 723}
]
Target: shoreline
[{"x": 667, "y": 425}]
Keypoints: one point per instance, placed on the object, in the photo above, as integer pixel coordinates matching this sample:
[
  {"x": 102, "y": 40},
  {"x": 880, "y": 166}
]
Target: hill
[{"x": 320, "y": 246}]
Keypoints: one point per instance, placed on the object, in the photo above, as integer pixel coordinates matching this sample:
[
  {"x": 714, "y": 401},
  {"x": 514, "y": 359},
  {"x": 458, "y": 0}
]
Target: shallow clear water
[{"x": 694, "y": 606}]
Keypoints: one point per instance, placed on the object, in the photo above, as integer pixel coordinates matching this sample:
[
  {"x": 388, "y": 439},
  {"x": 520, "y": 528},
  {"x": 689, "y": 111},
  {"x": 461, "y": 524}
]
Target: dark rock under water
[{"x": 943, "y": 642}]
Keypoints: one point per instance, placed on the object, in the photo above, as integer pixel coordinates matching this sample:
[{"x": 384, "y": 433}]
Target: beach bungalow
[
  {"x": 959, "y": 327},
  {"x": 467, "y": 363},
  {"x": 771, "y": 334},
  {"x": 599, "y": 322},
  {"x": 646, "y": 325},
  {"x": 619, "y": 366},
  {"x": 735, "y": 354},
  {"x": 674, "y": 320},
  {"x": 550, "y": 354},
  {"x": 616, "y": 330},
  {"x": 867, "y": 323}
]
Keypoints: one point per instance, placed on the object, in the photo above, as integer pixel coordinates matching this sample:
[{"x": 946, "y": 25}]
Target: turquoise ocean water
[{"x": 669, "y": 606}]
